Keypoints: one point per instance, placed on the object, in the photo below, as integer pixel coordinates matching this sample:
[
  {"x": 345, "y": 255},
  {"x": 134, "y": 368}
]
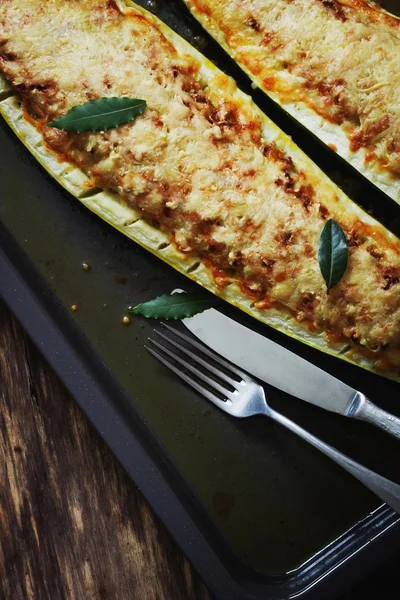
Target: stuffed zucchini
[
  {"x": 332, "y": 64},
  {"x": 201, "y": 178}
]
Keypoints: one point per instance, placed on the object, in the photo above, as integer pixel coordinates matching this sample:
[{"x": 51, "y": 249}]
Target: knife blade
[{"x": 285, "y": 370}]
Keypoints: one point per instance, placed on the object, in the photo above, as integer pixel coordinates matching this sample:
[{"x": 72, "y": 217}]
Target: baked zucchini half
[
  {"x": 333, "y": 65},
  {"x": 202, "y": 178}
]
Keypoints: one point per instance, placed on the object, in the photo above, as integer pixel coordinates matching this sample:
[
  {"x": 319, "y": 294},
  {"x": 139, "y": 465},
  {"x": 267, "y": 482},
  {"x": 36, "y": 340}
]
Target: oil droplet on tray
[{"x": 151, "y": 5}]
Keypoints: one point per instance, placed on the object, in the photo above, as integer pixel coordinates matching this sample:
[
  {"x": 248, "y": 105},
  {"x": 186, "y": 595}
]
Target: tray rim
[{"x": 39, "y": 320}]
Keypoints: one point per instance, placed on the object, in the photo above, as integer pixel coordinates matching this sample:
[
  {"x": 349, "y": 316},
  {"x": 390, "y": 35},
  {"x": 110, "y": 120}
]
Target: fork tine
[
  {"x": 198, "y": 359},
  {"x": 207, "y": 393},
  {"x": 211, "y": 382},
  {"x": 217, "y": 357}
]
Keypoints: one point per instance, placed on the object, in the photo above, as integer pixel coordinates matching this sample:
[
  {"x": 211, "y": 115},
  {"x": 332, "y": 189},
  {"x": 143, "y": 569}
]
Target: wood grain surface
[{"x": 73, "y": 526}]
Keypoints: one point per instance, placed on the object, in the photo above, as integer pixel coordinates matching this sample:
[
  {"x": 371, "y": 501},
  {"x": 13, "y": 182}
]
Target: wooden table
[{"x": 73, "y": 526}]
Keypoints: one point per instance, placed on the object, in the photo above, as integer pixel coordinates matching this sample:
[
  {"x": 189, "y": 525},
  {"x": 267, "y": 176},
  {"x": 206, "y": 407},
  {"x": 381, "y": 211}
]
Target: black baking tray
[{"x": 259, "y": 513}]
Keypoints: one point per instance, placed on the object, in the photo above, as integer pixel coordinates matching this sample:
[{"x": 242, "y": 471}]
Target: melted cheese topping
[
  {"x": 339, "y": 58},
  {"x": 197, "y": 164}
]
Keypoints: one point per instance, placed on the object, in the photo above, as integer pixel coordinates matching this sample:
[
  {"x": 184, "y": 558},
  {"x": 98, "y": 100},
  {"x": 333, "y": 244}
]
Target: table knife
[{"x": 286, "y": 371}]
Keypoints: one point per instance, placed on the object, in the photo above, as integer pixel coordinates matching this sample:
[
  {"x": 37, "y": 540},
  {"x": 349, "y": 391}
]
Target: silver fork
[{"x": 240, "y": 395}]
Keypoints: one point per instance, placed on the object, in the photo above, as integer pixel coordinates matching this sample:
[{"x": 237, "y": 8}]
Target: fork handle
[{"x": 386, "y": 490}]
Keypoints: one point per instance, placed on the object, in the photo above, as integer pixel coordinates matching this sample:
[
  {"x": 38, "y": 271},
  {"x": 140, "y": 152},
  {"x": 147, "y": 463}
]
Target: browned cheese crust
[
  {"x": 339, "y": 57},
  {"x": 197, "y": 166}
]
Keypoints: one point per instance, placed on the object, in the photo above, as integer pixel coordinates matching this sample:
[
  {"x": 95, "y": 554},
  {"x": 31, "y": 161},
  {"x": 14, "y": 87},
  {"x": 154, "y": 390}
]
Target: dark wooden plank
[{"x": 72, "y": 524}]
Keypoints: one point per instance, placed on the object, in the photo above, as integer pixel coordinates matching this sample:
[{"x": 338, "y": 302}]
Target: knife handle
[
  {"x": 386, "y": 490},
  {"x": 365, "y": 410}
]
